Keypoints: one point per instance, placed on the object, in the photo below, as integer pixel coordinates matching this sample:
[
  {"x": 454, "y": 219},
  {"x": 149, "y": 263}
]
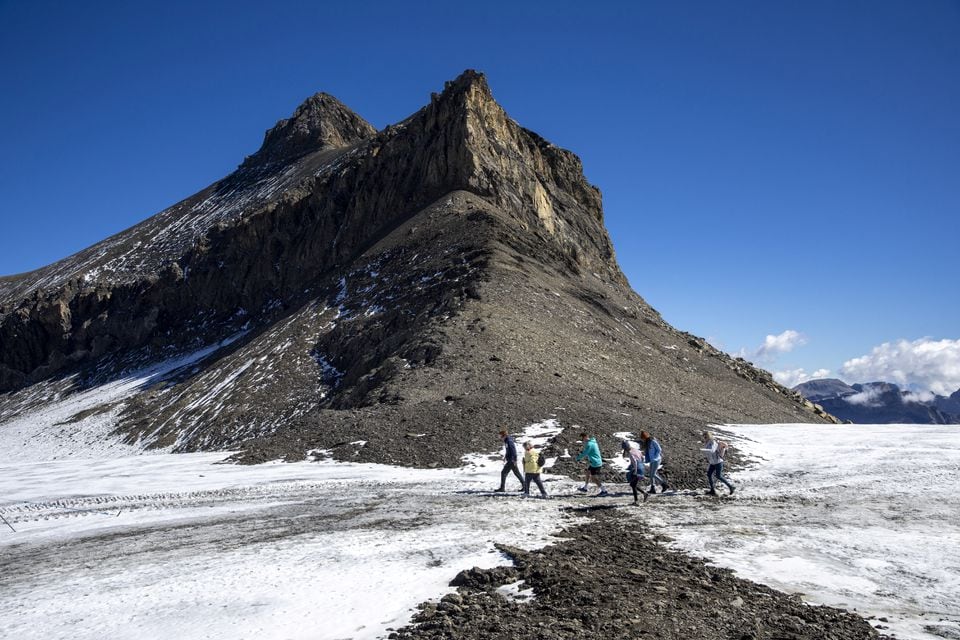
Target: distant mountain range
[{"x": 880, "y": 403}]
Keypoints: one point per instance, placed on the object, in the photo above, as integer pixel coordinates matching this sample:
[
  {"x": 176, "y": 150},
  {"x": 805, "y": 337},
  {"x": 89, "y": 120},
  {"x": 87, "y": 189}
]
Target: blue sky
[{"x": 782, "y": 178}]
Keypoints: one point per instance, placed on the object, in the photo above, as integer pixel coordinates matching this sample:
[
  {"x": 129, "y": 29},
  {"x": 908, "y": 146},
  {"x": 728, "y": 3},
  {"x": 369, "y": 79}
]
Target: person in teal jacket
[{"x": 591, "y": 451}]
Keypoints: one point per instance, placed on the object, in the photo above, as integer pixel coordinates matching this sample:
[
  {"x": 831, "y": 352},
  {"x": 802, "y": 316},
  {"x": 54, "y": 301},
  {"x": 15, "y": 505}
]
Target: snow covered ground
[
  {"x": 181, "y": 546},
  {"x": 110, "y": 544},
  {"x": 864, "y": 517}
]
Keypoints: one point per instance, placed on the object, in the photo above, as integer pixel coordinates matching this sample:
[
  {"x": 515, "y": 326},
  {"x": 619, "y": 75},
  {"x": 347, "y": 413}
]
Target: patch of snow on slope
[{"x": 80, "y": 424}]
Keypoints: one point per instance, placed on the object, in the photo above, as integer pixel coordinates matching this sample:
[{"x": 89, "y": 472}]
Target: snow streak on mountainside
[{"x": 444, "y": 275}]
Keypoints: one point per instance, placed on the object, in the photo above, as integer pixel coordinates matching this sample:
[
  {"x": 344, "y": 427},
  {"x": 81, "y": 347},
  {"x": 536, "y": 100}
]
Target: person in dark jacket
[{"x": 509, "y": 461}]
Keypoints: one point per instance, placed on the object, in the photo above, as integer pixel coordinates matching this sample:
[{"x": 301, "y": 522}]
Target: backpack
[
  {"x": 721, "y": 449},
  {"x": 541, "y": 459}
]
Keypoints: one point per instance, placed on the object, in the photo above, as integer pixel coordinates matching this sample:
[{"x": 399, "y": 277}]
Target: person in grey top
[{"x": 714, "y": 450}]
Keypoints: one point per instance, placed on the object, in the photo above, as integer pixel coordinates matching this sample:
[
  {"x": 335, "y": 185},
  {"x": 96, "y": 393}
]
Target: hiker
[
  {"x": 634, "y": 470},
  {"x": 654, "y": 455},
  {"x": 591, "y": 451},
  {"x": 531, "y": 469},
  {"x": 509, "y": 461},
  {"x": 714, "y": 450}
]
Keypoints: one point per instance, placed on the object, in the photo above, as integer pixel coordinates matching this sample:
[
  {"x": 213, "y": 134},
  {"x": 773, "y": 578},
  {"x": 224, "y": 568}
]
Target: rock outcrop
[{"x": 442, "y": 276}]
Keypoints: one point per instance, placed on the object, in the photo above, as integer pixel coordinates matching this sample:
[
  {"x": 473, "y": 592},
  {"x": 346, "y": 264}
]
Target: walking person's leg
[
  {"x": 634, "y": 481},
  {"x": 503, "y": 476},
  {"x": 586, "y": 480},
  {"x": 526, "y": 484},
  {"x": 722, "y": 479},
  {"x": 516, "y": 472},
  {"x": 536, "y": 478},
  {"x": 595, "y": 474},
  {"x": 712, "y": 471},
  {"x": 654, "y": 465}
]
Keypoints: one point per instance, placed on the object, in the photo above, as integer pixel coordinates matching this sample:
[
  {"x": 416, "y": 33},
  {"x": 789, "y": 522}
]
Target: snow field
[
  {"x": 208, "y": 550},
  {"x": 862, "y": 517},
  {"x": 857, "y": 516}
]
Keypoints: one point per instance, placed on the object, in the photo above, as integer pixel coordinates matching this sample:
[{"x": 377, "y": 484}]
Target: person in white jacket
[{"x": 714, "y": 450}]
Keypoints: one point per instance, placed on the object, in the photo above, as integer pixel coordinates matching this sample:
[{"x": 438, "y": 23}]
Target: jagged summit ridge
[
  {"x": 452, "y": 270},
  {"x": 321, "y": 188},
  {"x": 320, "y": 122}
]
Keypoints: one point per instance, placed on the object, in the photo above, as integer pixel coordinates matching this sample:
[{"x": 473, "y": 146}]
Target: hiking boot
[
  {"x": 666, "y": 487},
  {"x": 603, "y": 493},
  {"x": 652, "y": 490},
  {"x": 582, "y": 489},
  {"x": 732, "y": 489},
  {"x": 711, "y": 492},
  {"x": 645, "y": 496},
  {"x": 544, "y": 497},
  {"x": 500, "y": 490}
]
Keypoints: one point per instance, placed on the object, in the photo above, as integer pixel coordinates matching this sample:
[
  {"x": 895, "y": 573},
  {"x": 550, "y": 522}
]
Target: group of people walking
[
  {"x": 532, "y": 465},
  {"x": 644, "y": 459},
  {"x": 638, "y": 454}
]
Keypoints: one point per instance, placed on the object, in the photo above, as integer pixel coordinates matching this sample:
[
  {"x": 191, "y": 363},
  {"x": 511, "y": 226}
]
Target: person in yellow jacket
[{"x": 531, "y": 470}]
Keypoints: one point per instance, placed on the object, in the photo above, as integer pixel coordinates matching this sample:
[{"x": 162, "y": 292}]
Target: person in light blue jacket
[
  {"x": 654, "y": 455},
  {"x": 591, "y": 451}
]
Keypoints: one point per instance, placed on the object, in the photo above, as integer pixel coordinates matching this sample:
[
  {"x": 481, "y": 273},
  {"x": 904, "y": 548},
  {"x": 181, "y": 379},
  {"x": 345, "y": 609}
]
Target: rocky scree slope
[{"x": 389, "y": 296}]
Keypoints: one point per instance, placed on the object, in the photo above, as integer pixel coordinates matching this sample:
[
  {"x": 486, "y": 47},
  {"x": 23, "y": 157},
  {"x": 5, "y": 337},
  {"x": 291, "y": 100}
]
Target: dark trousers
[
  {"x": 717, "y": 470},
  {"x": 634, "y": 481},
  {"x": 535, "y": 477},
  {"x": 509, "y": 465}
]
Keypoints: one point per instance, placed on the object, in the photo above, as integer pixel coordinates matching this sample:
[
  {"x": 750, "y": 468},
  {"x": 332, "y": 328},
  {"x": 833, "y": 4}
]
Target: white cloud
[
  {"x": 919, "y": 397},
  {"x": 923, "y": 365},
  {"x": 773, "y": 346},
  {"x": 783, "y": 343},
  {"x": 793, "y": 377},
  {"x": 869, "y": 397}
]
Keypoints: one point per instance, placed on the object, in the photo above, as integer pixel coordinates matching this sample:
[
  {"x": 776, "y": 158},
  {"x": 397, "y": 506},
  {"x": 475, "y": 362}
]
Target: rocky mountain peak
[
  {"x": 450, "y": 271},
  {"x": 320, "y": 122},
  {"x": 543, "y": 186},
  {"x": 470, "y": 87}
]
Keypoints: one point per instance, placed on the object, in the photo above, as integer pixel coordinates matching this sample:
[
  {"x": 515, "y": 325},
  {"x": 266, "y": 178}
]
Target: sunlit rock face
[{"x": 415, "y": 288}]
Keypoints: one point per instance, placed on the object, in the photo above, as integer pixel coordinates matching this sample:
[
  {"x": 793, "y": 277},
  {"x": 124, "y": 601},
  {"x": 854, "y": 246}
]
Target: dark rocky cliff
[{"x": 439, "y": 277}]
